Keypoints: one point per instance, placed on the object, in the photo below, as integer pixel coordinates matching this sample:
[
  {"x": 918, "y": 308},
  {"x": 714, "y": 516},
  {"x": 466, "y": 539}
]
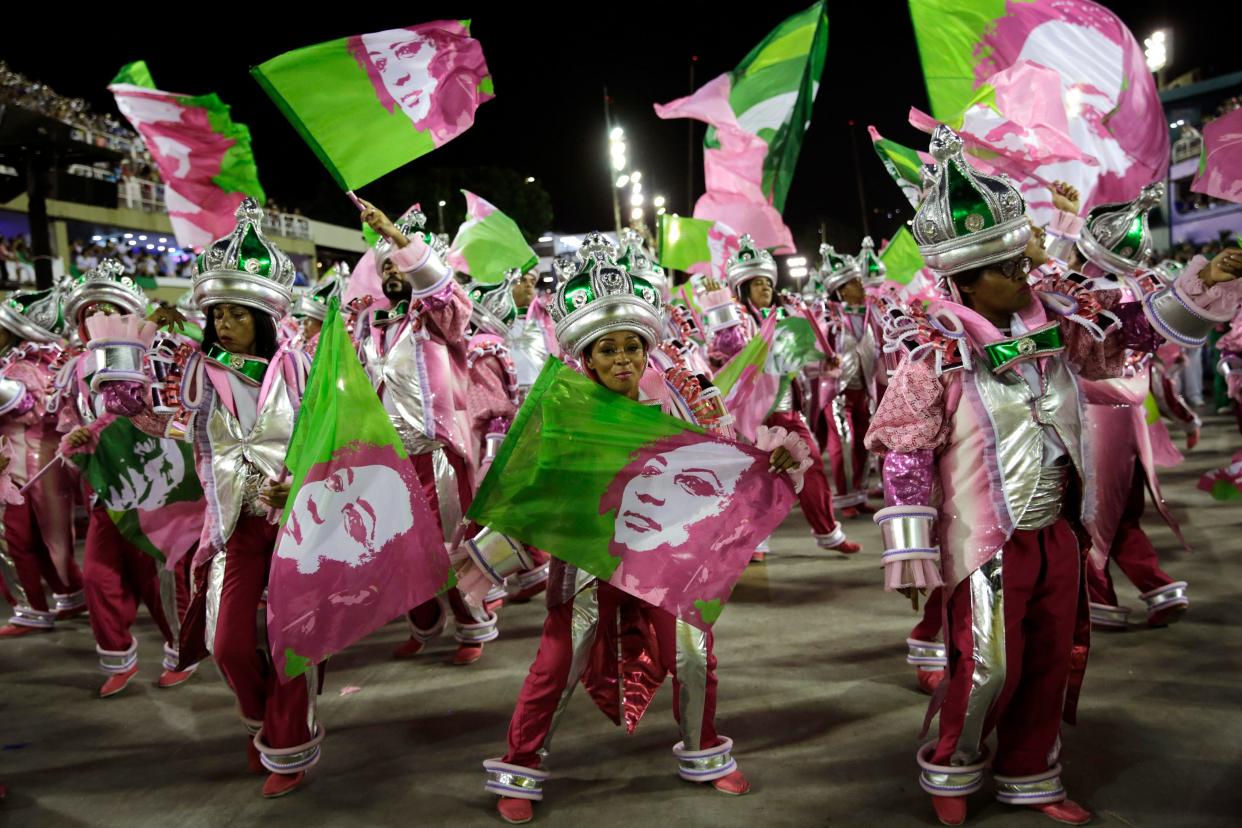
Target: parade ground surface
[{"x": 814, "y": 691}]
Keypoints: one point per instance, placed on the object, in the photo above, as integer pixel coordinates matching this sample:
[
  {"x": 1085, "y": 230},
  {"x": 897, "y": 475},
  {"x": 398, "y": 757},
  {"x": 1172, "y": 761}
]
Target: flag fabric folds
[
  {"x": 651, "y": 504},
  {"x": 370, "y": 103},
  {"x": 203, "y": 156},
  {"x": 358, "y": 544},
  {"x": 488, "y": 243}
]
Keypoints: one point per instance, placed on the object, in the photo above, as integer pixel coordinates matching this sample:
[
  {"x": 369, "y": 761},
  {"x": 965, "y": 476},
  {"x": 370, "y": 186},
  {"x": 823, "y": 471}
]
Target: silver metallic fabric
[
  {"x": 401, "y": 376},
  {"x": 1044, "y": 507},
  {"x": 707, "y": 764},
  {"x": 692, "y": 674},
  {"x": 1104, "y": 615},
  {"x": 290, "y": 760},
  {"x": 1019, "y": 416},
  {"x": 11, "y": 393},
  {"x": 925, "y": 653},
  {"x": 1176, "y": 593},
  {"x": 1039, "y": 789},
  {"x": 582, "y": 628},
  {"x": 116, "y": 361},
  {"x": 117, "y": 661},
  {"x": 242, "y": 461},
  {"x": 168, "y": 601},
  {"x": 446, "y": 493},
  {"x": 215, "y": 586},
  {"x": 1174, "y": 318},
  {"x": 987, "y": 603},
  {"x": 955, "y": 780},
  {"x": 514, "y": 781},
  {"x": 784, "y": 399},
  {"x": 497, "y": 555},
  {"x": 913, "y": 533},
  {"x": 721, "y": 317},
  {"x": 845, "y": 430}
]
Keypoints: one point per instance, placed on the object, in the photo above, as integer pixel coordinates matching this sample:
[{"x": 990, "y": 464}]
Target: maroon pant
[
  {"x": 815, "y": 497},
  {"x": 427, "y": 614},
  {"x": 118, "y": 575},
  {"x": 236, "y": 647},
  {"x": 858, "y": 411},
  {"x": 1040, "y": 577},
  {"x": 549, "y": 676},
  {"x": 1131, "y": 550},
  {"x": 32, "y": 561},
  {"x": 928, "y": 628}
]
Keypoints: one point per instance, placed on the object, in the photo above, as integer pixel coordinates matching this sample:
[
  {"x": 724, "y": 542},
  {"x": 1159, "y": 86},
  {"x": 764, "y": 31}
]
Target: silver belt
[{"x": 1045, "y": 505}]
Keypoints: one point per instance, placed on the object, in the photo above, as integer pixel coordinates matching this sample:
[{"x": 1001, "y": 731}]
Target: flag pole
[
  {"x": 616, "y": 205},
  {"x": 57, "y": 459},
  {"x": 862, "y": 198}
]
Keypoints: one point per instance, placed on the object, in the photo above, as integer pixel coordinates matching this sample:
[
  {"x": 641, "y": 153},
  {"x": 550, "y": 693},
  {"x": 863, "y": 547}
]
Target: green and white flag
[
  {"x": 901, "y": 257},
  {"x": 489, "y": 243},
  {"x": 903, "y": 164},
  {"x": 371, "y": 103},
  {"x": 148, "y": 485},
  {"x": 773, "y": 89}
]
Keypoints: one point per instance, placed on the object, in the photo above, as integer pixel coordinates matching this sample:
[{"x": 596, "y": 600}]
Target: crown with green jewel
[
  {"x": 602, "y": 297},
  {"x": 244, "y": 268},
  {"x": 967, "y": 219},
  {"x": 638, "y": 261},
  {"x": 749, "y": 262},
  {"x": 492, "y": 308},
  {"x": 36, "y": 315},
  {"x": 105, "y": 283},
  {"x": 1116, "y": 237}
]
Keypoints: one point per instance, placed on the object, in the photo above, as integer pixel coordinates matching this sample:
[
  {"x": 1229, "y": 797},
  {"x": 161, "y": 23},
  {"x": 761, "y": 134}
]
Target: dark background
[{"x": 550, "y": 64}]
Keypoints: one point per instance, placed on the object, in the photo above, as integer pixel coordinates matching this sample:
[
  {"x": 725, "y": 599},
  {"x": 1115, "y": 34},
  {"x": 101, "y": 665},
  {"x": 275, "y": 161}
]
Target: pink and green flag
[
  {"x": 902, "y": 163},
  {"x": 148, "y": 485},
  {"x": 696, "y": 245},
  {"x": 370, "y": 103},
  {"x": 901, "y": 257},
  {"x": 203, "y": 156},
  {"x": 653, "y": 505},
  {"x": 358, "y": 544},
  {"x": 1220, "y": 162},
  {"x": 1107, "y": 99},
  {"x": 489, "y": 243},
  {"x": 773, "y": 90}
]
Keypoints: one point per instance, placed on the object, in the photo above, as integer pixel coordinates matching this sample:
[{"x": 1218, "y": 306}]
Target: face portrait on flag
[
  {"x": 675, "y": 499},
  {"x": 347, "y": 516},
  {"x": 413, "y": 71},
  {"x": 154, "y": 469}
]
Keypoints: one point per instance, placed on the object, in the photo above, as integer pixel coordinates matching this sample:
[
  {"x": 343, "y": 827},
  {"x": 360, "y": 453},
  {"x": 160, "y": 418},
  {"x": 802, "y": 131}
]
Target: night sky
[{"x": 550, "y": 71}]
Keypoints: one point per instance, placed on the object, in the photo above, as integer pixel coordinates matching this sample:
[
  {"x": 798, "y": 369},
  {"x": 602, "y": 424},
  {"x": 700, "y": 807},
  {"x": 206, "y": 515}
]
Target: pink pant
[
  {"x": 31, "y": 561},
  {"x": 427, "y": 614},
  {"x": 281, "y": 707},
  {"x": 815, "y": 497},
  {"x": 1023, "y": 700},
  {"x": 1131, "y": 550},
  {"x": 549, "y": 676},
  {"x": 118, "y": 575}
]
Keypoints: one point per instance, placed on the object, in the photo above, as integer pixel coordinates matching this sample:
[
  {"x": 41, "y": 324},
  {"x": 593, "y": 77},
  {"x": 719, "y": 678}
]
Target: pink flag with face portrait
[{"x": 1220, "y": 165}]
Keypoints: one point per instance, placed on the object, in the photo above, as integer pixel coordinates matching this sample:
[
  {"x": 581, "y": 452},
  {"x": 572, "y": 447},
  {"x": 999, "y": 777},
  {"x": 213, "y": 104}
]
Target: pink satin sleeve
[
  {"x": 448, "y": 311},
  {"x": 912, "y": 416}
]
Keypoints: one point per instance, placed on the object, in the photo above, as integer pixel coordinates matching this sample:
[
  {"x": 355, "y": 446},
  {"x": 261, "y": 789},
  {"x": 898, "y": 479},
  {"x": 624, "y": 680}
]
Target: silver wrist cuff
[
  {"x": 116, "y": 362},
  {"x": 907, "y": 532},
  {"x": 1175, "y": 319},
  {"x": 491, "y": 446},
  {"x": 721, "y": 317},
  {"x": 428, "y": 278}
]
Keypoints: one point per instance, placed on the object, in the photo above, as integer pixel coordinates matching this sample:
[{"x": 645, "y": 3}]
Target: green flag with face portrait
[{"x": 655, "y": 506}]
